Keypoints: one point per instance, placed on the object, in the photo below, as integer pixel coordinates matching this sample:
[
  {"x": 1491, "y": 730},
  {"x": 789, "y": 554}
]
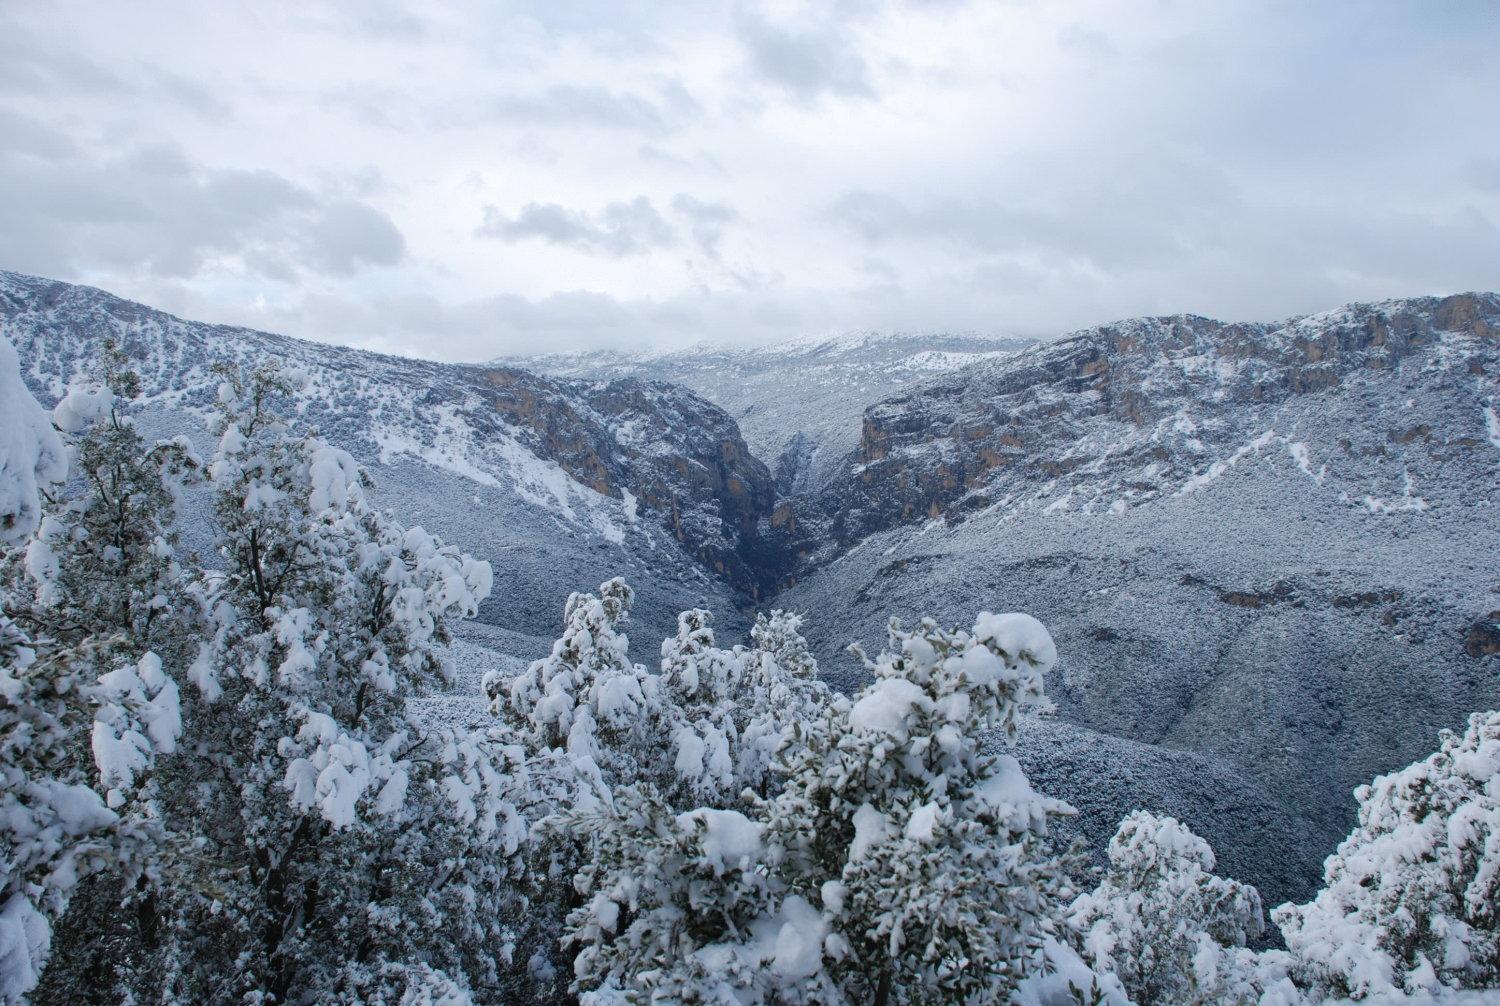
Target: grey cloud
[
  {"x": 510, "y": 324},
  {"x": 344, "y": 237},
  {"x": 706, "y": 220},
  {"x": 805, "y": 63},
  {"x": 1217, "y": 253},
  {"x": 1086, "y": 41},
  {"x": 619, "y": 229},
  {"x": 574, "y": 104},
  {"x": 154, "y": 210},
  {"x": 1485, "y": 174},
  {"x": 1116, "y": 217},
  {"x": 31, "y": 66},
  {"x": 28, "y": 136}
]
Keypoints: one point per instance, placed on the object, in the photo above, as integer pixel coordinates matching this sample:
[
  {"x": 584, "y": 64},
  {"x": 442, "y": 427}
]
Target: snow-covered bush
[
  {"x": 1411, "y": 899},
  {"x": 320, "y": 837},
  {"x": 927, "y": 856},
  {"x": 79, "y": 718},
  {"x": 1164, "y": 924},
  {"x": 896, "y": 863}
]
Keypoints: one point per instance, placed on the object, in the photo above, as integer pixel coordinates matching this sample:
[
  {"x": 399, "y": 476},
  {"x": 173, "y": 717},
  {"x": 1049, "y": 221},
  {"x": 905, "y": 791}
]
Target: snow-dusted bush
[
  {"x": 320, "y": 838},
  {"x": 927, "y": 856},
  {"x": 1411, "y": 899},
  {"x": 1165, "y": 925},
  {"x": 896, "y": 863},
  {"x": 82, "y": 717}
]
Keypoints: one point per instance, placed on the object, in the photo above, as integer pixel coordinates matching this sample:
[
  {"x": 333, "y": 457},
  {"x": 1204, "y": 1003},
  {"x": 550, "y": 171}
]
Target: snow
[
  {"x": 798, "y": 952},
  {"x": 1064, "y": 971},
  {"x": 1018, "y": 635},
  {"x": 870, "y": 828},
  {"x": 1210, "y": 475},
  {"x": 923, "y": 822},
  {"x": 31, "y": 453},
  {"x": 1303, "y": 458},
  {"x": 887, "y": 704},
  {"x": 25, "y": 941},
  {"x": 1409, "y": 502},
  {"x": 335, "y": 479},
  {"x": 731, "y": 841},
  {"x": 81, "y": 406}
]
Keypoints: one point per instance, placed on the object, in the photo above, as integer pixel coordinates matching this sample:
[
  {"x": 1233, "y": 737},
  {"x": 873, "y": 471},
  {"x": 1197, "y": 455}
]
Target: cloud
[
  {"x": 707, "y": 221},
  {"x": 619, "y": 229},
  {"x": 156, "y": 211},
  {"x": 570, "y": 105},
  {"x": 801, "y": 168},
  {"x": 806, "y": 63},
  {"x": 32, "y": 66}
]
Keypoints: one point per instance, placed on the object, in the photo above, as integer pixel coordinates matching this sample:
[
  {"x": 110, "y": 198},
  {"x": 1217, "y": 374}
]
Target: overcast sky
[{"x": 460, "y": 181}]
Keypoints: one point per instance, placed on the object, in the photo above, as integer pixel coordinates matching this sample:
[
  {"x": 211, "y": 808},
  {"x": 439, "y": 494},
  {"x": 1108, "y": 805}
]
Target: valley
[{"x": 1266, "y": 551}]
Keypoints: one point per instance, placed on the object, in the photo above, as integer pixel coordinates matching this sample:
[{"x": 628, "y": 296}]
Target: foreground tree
[
  {"x": 898, "y": 862},
  {"x": 1411, "y": 899},
  {"x": 81, "y": 715},
  {"x": 325, "y": 847},
  {"x": 1166, "y": 926}
]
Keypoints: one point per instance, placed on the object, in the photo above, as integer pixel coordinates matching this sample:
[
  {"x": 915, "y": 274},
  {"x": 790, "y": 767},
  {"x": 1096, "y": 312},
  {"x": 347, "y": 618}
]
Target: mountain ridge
[{"x": 1264, "y": 571}]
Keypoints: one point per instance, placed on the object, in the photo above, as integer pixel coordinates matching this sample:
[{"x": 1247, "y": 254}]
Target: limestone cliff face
[
  {"x": 678, "y": 456},
  {"x": 1126, "y": 413}
]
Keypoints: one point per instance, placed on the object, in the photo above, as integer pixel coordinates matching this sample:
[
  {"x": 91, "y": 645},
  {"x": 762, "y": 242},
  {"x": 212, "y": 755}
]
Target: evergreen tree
[
  {"x": 324, "y": 845},
  {"x": 82, "y": 714},
  {"x": 1164, "y": 924},
  {"x": 1411, "y": 899},
  {"x": 927, "y": 855},
  {"x": 898, "y": 863}
]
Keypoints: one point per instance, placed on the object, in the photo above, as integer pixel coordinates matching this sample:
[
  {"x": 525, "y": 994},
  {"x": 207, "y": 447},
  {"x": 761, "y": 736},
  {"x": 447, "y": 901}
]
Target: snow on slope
[
  {"x": 1269, "y": 545},
  {"x": 495, "y": 460},
  {"x": 798, "y": 403}
]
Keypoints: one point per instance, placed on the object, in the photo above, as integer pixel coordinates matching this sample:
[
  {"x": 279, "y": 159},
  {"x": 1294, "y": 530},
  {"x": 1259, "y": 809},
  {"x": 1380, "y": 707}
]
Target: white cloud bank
[{"x": 492, "y": 178}]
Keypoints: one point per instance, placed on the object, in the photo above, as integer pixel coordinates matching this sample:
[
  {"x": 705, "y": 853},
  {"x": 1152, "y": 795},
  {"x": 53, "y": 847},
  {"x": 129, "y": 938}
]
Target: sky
[{"x": 468, "y": 180}]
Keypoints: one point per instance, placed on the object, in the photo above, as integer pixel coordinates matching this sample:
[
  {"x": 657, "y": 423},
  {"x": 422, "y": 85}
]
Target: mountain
[
  {"x": 1266, "y": 551},
  {"x": 1269, "y": 545},
  {"x": 562, "y": 484},
  {"x": 799, "y": 403}
]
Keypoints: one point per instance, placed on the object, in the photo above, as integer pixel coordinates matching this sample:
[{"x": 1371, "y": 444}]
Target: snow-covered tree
[
  {"x": 733, "y": 710},
  {"x": 927, "y": 854},
  {"x": 1164, "y": 924},
  {"x": 588, "y": 701},
  {"x": 783, "y": 690},
  {"x": 1411, "y": 899},
  {"x": 898, "y": 863},
  {"x": 80, "y": 722},
  {"x": 322, "y": 840},
  {"x": 104, "y": 562}
]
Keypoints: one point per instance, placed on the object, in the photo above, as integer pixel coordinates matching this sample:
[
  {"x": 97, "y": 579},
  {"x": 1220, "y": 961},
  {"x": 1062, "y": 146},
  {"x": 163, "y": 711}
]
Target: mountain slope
[
  {"x": 561, "y": 483},
  {"x": 1272, "y": 545},
  {"x": 1267, "y": 552},
  {"x": 798, "y": 403}
]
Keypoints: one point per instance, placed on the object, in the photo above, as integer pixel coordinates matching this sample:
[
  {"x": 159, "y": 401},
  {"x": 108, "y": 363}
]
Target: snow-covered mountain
[
  {"x": 1271, "y": 545},
  {"x": 562, "y": 484},
  {"x": 798, "y": 403},
  {"x": 1267, "y": 552}
]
